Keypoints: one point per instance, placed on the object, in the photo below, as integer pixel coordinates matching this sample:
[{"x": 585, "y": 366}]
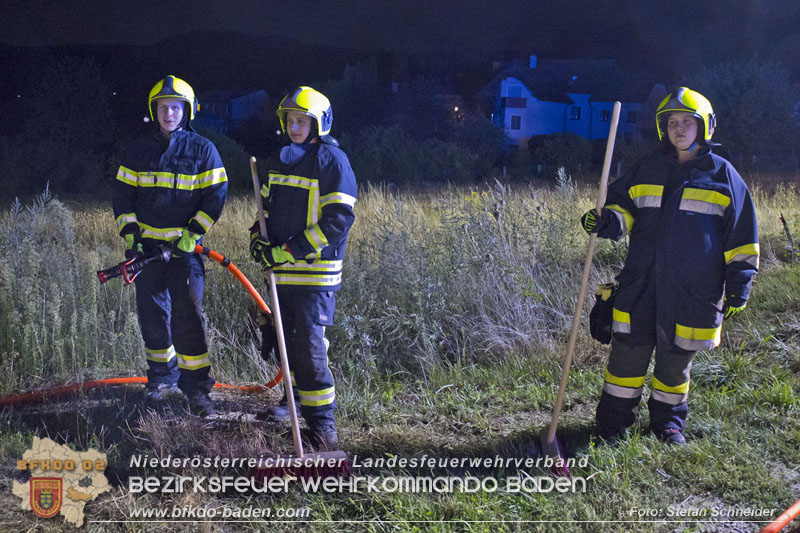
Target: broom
[
  {"x": 301, "y": 465},
  {"x": 550, "y": 445}
]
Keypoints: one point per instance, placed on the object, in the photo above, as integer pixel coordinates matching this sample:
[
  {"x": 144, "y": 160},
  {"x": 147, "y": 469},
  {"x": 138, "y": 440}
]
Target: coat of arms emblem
[{"x": 46, "y": 495}]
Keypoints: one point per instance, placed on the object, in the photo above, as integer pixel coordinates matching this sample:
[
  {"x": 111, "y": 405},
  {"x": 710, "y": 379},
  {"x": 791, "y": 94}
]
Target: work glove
[
  {"x": 185, "y": 245},
  {"x": 257, "y": 245},
  {"x": 593, "y": 222},
  {"x": 732, "y": 306},
  {"x": 133, "y": 244},
  {"x": 269, "y": 256}
]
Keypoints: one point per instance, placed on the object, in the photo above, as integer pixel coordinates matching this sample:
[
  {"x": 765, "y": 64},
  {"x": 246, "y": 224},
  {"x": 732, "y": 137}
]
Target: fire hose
[{"x": 128, "y": 270}]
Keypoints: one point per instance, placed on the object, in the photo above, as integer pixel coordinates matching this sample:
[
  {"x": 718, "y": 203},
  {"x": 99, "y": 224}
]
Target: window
[
  {"x": 514, "y": 91},
  {"x": 575, "y": 112},
  {"x": 516, "y": 122},
  {"x": 604, "y": 115},
  {"x": 630, "y": 117}
]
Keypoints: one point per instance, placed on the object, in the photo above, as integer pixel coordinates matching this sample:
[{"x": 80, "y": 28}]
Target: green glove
[
  {"x": 133, "y": 245},
  {"x": 270, "y": 257},
  {"x": 258, "y": 246},
  {"x": 592, "y": 222},
  {"x": 732, "y": 307},
  {"x": 187, "y": 241}
]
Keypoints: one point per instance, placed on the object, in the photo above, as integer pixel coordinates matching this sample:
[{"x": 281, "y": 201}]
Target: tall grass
[
  {"x": 55, "y": 321},
  {"x": 454, "y": 276}
]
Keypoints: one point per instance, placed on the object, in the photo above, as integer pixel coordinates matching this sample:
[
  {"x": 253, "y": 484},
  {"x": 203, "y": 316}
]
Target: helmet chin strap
[{"x": 692, "y": 147}]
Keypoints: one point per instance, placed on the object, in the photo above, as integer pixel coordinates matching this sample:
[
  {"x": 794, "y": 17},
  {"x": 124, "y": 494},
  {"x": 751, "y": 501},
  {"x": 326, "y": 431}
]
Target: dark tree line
[{"x": 71, "y": 134}]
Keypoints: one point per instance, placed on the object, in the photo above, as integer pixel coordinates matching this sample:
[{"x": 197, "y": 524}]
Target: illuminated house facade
[{"x": 544, "y": 97}]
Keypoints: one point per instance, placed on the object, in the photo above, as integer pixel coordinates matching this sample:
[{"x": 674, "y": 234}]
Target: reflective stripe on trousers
[{"x": 169, "y": 301}]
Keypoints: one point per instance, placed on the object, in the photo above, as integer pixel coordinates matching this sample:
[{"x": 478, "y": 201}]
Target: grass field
[{"x": 450, "y": 328}]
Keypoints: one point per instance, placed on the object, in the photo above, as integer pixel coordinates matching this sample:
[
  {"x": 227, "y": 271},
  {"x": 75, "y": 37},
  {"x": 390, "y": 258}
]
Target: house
[
  {"x": 544, "y": 97},
  {"x": 224, "y": 110}
]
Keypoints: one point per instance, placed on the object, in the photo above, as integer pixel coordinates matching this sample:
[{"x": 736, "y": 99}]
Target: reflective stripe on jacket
[
  {"x": 693, "y": 240},
  {"x": 309, "y": 207},
  {"x": 165, "y": 189}
]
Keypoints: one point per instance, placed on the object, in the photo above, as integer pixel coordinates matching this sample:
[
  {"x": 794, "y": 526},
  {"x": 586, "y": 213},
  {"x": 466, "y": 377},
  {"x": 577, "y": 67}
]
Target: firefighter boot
[
  {"x": 324, "y": 436},
  {"x": 200, "y": 404},
  {"x": 667, "y": 421},
  {"x": 614, "y": 416},
  {"x": 160, "y": 392},
  {"x": 280, "y": 412}
]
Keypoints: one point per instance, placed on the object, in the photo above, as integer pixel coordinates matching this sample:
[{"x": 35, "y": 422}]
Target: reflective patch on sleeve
[
  {"x": 621, "y": 321},
  {"x": 316, "y": 238},
  {"x": 624, "y": 216},
  {"x": 128, "y": 176},
  {"x": 694, "y": 339},
  {"x": 337, "y": 198},
  {"x": 191, "y": 182},
  {"x": 126, "y": 218},
  {"x": 211, "y": 177},
  {"x": 748, "y": 253},
  {"x": 204, "y": 220},
  {"x": 646, "y": 195},
  {"x": 703, "y": 201}
]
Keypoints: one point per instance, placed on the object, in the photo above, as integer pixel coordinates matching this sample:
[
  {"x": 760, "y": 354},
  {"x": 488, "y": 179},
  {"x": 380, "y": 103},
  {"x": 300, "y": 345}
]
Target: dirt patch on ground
[{"x": 120, "y": 421}]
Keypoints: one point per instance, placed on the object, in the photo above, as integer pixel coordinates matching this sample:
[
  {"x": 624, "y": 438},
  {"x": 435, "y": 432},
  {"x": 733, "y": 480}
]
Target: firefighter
[
  {"x": 169, "y": 191},
  {"x": 692, "y": 256},
  {"x": 308, "y": 201}
]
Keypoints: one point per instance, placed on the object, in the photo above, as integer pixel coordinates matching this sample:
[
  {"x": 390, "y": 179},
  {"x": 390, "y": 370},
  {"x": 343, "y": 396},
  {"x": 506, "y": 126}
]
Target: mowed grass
[{"x": 451, "y": 326}]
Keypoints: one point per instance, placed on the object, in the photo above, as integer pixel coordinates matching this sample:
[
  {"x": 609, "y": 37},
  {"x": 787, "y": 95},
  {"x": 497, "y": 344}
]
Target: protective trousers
[
  {"x": 304, "y": 316},
  {"x": 624, "y": 384},
  {"x": 169, "y": 299}
]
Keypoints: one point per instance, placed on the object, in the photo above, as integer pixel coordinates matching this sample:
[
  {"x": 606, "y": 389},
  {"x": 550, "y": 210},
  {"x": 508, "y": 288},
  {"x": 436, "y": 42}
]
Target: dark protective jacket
[
  {"x": 164, "y": 189},
  {"x": 309, "y": 207},
  {"x": 693, "y": 241}
]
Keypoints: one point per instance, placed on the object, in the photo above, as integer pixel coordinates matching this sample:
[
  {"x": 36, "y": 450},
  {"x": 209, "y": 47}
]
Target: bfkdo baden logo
[
  {"x": 61, "y": 480},
  {"x": 46, "y": 495}
]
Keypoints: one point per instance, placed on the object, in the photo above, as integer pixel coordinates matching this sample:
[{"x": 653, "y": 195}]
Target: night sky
[{"x": 668, "y": 38}]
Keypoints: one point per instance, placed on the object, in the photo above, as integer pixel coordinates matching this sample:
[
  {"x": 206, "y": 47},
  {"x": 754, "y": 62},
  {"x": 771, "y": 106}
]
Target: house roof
[{"x": 553, "y": 79}]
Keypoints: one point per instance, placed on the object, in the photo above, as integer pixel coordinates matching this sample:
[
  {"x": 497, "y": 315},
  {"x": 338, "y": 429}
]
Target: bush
[
  {"x": 386, "y": 154},
  {"x": 563, "y": 149},
  {"x": 234, "y": 157}
]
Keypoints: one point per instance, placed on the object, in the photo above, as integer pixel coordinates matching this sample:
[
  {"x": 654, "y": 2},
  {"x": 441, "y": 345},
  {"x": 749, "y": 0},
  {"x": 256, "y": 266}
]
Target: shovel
[{"x": 550, "y": 445}]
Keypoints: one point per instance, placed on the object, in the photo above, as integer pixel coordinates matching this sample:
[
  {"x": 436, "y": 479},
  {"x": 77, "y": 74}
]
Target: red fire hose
[
  {"x": 783, "y": 519},
  {"x": 128, "y": 270}
]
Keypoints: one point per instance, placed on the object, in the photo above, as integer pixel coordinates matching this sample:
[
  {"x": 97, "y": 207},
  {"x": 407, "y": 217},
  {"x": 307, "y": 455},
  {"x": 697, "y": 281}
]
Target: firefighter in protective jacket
[
  {"x": 308, "y": 202},
  {"x": 170, "y": 189},
  {"x": 691, "y": 260}
]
